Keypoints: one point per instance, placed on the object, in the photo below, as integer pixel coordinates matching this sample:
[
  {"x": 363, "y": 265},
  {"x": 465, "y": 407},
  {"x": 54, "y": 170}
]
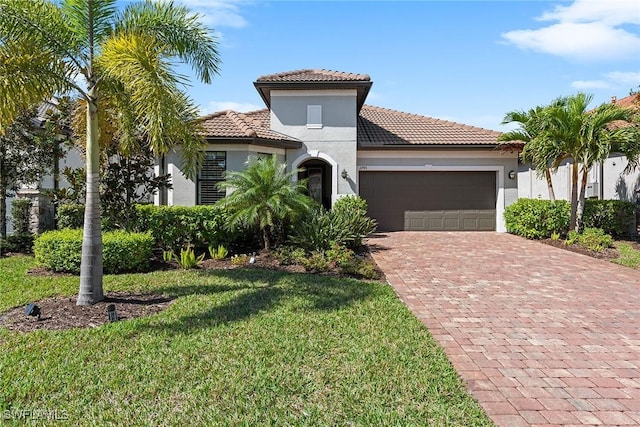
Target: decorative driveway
[{"x": 540, "y": 335}]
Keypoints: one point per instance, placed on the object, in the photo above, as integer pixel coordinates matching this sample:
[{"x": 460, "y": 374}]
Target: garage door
[{"x": 444, "y": 201}]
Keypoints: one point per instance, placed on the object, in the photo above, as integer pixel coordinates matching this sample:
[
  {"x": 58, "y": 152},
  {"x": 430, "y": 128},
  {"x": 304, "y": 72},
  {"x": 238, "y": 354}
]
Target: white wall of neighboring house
[{"x": 605, "y": 181}]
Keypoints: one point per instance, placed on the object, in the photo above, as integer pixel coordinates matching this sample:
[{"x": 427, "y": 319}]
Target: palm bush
[{"x": 264, "y": 195}]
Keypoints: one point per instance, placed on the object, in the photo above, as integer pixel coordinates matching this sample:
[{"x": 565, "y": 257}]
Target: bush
[
  {"x": 176, "y": 227},
  {"x": 21, "y": 215},
  {"x": 613, "y": 216},
  {"x": 595, "y": 239},
  {"x": 70, "y": 215},
  {"x": 359, "y": 267},
  {"x": 289, "y": 255},
  {"x": 122, "y": 251},
  {"x": 19, "y": 242},
  {"x": 351, "y": 212},
  {"x": 346, "y": 225},
  {"x": 537, "y": 219}
]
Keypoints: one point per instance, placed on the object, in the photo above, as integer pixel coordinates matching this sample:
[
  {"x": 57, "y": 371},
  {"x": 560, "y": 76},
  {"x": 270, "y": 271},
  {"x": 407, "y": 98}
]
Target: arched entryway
[{"x": 318, "y": 174}]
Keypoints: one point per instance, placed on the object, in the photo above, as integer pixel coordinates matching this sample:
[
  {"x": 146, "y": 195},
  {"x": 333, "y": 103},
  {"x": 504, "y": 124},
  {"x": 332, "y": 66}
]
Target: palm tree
[
  {"x": 124, "y": 59},
  {"x": 588, "y": 137},
  {"x": 264, "y": 194},
  {"x": 538, "y": 150}
]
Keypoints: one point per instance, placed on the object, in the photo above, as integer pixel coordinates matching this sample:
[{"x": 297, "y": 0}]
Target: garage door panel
[{"x": 430, "y": 200}]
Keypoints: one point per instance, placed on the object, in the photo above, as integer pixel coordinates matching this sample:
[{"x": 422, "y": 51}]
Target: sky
[{"x": 465, "y": 61}]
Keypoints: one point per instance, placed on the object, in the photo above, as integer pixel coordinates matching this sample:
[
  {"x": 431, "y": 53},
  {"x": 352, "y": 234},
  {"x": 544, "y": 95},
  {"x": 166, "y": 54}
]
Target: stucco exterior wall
[
  {"x": 335, "y": 142},
  {"x": 609, "y": 181},
  {"x": 184, "y": 189}
]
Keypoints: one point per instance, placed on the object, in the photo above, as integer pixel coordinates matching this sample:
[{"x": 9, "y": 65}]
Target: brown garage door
[{"x": 430, "y": 200}]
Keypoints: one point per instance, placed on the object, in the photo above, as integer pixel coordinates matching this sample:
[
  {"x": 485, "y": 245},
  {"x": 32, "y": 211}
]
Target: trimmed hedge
[
  {"x": 61, "y": 251},
  {"x": 176, "y": 227},
  {"x": 538, "y": 219},
  {"x": 613, "y": 216}
]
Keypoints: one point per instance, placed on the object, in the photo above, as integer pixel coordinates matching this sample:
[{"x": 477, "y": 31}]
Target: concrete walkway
[{"x": 540, "y": 335}]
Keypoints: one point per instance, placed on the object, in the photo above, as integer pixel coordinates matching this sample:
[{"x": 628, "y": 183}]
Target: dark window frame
[{"x": 210, "y": 174}]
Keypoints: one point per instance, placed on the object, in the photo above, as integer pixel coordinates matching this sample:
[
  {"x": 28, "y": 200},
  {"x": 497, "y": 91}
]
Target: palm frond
[
  {"x": 180, "y": 32},
  {"x": 91, "y": 21}
]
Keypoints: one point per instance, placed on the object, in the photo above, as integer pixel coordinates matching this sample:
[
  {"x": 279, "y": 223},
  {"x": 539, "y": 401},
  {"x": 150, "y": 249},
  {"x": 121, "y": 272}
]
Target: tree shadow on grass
[{"x": 256, "y": 291}]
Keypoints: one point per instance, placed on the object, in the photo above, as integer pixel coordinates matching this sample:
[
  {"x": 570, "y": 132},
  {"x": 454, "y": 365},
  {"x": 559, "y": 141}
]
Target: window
[
  {"x": 211, "y": 173},
  {"x": 314, "y": 116}
]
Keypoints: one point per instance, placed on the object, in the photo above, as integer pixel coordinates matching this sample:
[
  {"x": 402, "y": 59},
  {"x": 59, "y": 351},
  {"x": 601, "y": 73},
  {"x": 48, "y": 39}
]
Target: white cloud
[
  {"x": 614, "y": 79},
  {"x": 585, "y": 30},
  {"x": 218, "y": 13},
  {"x": 215, "y": 106},
  {"x": 629, "y": 78},
  {"x": 590, "y": 84},
  {"x": 610, "y": 12}
]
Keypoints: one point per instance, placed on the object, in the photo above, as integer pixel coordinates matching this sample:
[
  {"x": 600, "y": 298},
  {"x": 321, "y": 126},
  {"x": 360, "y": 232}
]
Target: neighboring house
[
  {"x": 605, "y": 181},
  {"x": 415, "y": 172}
]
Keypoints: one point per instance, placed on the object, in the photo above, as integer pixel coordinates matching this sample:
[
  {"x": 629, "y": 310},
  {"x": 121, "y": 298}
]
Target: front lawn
[
  {"x": 628, "y": 255},
  {"x": 237, "y": 347}
]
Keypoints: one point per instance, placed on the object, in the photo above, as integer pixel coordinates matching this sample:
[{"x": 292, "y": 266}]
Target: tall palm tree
[
  {"x": 538, "y": 150},
  {"x": 588, "y": 137},
  {"x": 264, "y": 194},
  {"x": 123, "y": 58}
]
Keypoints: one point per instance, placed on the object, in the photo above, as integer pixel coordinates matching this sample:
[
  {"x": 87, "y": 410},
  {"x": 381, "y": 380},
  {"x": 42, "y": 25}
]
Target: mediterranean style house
[{"x": 415, "y": 172}]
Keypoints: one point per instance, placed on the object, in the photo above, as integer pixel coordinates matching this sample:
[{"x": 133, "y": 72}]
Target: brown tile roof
[
  {"x": 317, "y": 75},
  {"x": 629, "y": 101},
  {"x": 380, "y": 127},
  {"x": 252, "y": 125}
]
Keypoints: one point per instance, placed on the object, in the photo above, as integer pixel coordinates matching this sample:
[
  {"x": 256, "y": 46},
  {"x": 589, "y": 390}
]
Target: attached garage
[{"x": 431, "y": 201}]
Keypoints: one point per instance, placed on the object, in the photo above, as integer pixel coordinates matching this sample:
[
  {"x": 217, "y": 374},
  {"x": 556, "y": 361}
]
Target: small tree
[
  {"x": 264, "y": 195},
  {"x": 28, "y": 150}
]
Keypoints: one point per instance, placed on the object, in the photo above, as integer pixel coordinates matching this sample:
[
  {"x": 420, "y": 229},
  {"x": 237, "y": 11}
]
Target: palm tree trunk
[
  {"x": 581, "y": 199},
  {"x": 552, "y": 194},
  {"x": 574, "y": 197},
  {"x": 3, "y": 206},
  {"x": 265, "y": 237},
  {"x": 91, "y": 264}
]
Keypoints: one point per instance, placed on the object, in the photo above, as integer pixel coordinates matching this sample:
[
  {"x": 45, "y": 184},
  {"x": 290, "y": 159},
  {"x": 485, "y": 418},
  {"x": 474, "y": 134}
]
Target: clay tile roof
[
  {"x": 317, "y": 75},
  {"x": 629, "y": 101},
  {"x": 230, "y": 124},
  {"x": 379, "y": 127}
]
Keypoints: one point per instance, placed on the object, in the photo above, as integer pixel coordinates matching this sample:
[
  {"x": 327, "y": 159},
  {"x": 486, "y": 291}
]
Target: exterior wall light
[
  {"x": 344, "y": 174},
  {"x": 512, "y": 174}
]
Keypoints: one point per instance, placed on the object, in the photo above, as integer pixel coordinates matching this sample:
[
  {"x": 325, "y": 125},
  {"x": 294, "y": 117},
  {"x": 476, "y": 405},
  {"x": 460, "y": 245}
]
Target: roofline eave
[{"x": 261, "y": 142}]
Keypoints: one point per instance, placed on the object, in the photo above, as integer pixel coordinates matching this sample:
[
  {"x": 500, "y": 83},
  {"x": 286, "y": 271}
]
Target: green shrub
[
  {"x": 19, "y": 242},
  {"x": 218, "y": 253},
  {"x": 351, "y": 212},
  {"x": 70, "y": 215},
  {"x": 614, "y": 216},
  {"x": 289, "y": 255},
  {"x": 61, "y": 251},
  {"x": 537, "y": 219},
  {"x": 21, "y": 215},
  {"x": 188, "y": 258},
  {"x": 338, "y": 254},
  {"x": 360, "y": 267},
  {"x": 346, "y": 224},
  {"x": 572, "y": 237},
  {"x": 240, "y": 259},
  {"x": 316, "y": 262},
  {"x": 595, "y": 239},
  {"x": 175, "y": 227}
]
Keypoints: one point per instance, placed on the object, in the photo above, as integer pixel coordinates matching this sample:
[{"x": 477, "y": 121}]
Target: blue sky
[{"x": 466, "y": 61}]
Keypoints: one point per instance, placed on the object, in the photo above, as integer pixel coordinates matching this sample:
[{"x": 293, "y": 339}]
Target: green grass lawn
[
  {"x": 237, "y": 347},
  {"x": 629, "y": 256}
]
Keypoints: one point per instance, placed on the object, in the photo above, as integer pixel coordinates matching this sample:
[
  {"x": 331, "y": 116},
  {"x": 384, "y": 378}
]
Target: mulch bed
[
  {"x": 58, "y": 313},
  {"x": 607, "y": 254}
]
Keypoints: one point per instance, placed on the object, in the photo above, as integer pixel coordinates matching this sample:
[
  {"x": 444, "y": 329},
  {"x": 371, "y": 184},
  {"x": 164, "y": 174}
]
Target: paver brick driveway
[{"x": 540, "y": 335}]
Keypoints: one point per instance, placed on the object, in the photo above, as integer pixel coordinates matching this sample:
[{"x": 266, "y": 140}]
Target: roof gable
[
  {"x": 314, "y": 79},
  {"x": 252, "y": 126}
]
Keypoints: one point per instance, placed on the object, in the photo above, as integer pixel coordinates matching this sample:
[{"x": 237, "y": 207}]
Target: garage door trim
[{"x": 500, "y": 225}]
